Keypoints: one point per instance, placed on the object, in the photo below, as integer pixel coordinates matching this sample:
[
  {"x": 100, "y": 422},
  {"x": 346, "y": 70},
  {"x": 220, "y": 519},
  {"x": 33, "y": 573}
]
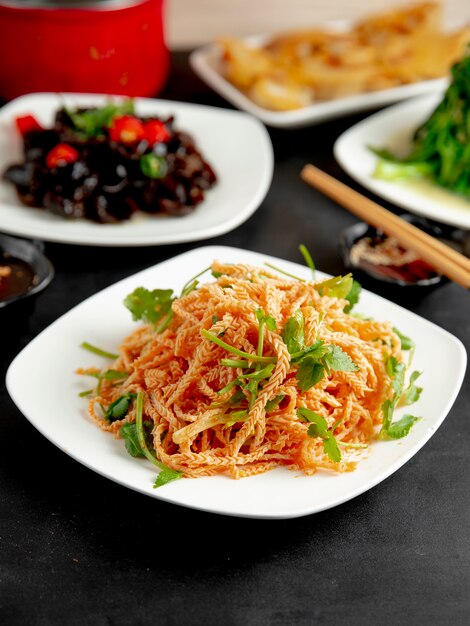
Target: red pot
[{"x": 105, "y": 46}]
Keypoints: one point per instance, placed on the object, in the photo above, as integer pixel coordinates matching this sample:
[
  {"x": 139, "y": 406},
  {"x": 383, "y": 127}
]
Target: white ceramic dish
[
  {"x": 49, "y": 361},
  {"x": 393, "y": 129},
  {"x": 207, "y": 60},
  {"x": 236, "y": 145}
]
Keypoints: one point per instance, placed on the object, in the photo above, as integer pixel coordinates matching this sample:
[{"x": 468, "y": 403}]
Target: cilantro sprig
[
  {"x": 110, "y": 374},
  {"x": 118, "y": 409},
  {"x": 92, "y": 122},
  {"x": 155, "y": 307},
  {"x": 316, "y": 360},
  {"x": 319, "y": 428},
  {"x": 166, "y": 474},
  {"x": 401, "y": 427}
]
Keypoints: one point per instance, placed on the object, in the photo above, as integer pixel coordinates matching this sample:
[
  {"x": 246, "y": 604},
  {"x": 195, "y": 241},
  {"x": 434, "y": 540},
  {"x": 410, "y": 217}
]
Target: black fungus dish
[{"x": 105, "y": 164}]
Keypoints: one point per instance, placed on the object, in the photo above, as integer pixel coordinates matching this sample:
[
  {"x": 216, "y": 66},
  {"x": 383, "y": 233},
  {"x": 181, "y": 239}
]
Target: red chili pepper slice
[
  {"x": 126, "y": 129},
  {"x": 156, "y": 132},
  {"x": 61, "y": 155},
  {"x": 27, "y": 123}
]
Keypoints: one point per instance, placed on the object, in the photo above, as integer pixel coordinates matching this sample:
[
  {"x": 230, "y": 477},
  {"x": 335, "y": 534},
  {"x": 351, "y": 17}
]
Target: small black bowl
[
  {"x": 448, "y": 234},
  {"x": 42, "y": 272}
]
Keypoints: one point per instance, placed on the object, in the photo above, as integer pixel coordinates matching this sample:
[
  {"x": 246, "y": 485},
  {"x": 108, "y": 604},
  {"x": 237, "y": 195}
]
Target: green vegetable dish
[{"x": 440, "y": 148}]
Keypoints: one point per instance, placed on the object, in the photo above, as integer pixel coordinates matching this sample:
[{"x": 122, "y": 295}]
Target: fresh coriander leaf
[
  {"x": 237, "y": 398},
  {"x": 149, "y": 306},
  {"x": 118, "y": 409},
  {"x": 128, "y": 432},
  {"x": 252, "y": 386},
  {"x": 309, "y": 373},
  {"x": 270, "y": 323},
  {"x": 293, "y": 333},
  {"x": 316, "y": 350},
  {"x": 319, "y": 428},
  {"x": 396, "y": 371},
  {"x": 387, "y": 410},
  {"x": 338, "y": 360},
  {"x": 166, "y": 476},
  {"x": 353, "y": 296},
  {"x": 92, "y": 122},
  {"x": 320, "y": 423},
  {"x": 401, "y": 427},
  {"x": 215, "y": 319},
  {"x": 271, "y": 405},
  {"x": 313, "y": 431},
  {"x": 406, "y": 342},
  {"x": 412, "y": 393},
  {"x": 330, "y": 446},
  {"x": 336, "y": 287}
]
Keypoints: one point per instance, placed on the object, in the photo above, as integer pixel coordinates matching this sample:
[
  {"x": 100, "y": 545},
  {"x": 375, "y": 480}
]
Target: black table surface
[{"x": 76, "y": 548}]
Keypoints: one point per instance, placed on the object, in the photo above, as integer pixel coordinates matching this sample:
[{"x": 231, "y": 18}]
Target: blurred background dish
[
  {"x": 206, "y": 62},
  {"x": 368, "y": 252},
  {"x": 237, "y": 146},
  {"x": 323, "y": 71},
  {"x": 24, "y": 272},
  {"x": 92, "y": 46},
  {"x": 393, "y": 128}
]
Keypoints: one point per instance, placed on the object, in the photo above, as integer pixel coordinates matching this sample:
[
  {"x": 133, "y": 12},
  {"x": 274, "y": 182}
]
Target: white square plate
[
  {"x": 50, "y": 400},
  {"x": 393, "y": 129},
  {"x": 207, "y": 63},
  {"x": 236, "y": 145}
]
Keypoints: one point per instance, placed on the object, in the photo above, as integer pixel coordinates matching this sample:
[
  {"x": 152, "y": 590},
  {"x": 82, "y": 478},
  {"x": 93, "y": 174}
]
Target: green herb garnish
[
  {"x": 149, "y": 306},
  {"x": 307, "y": 258},
  {"x": 400, "y": 428},
  {"x": 319, "y": 428},
  {"x": 92, "y": 122},
  {"x": 315, "y": 360},
  {"x": 244, "y": 355},
  {"x": 100, "y": 376},
  {"x": 128, "y": 432},
  {"x": 98, "y": 351},
  {"x": 412, "y": 393},
  {"x": 118, "y": 409},
  {"x": 168, "y": 473}
]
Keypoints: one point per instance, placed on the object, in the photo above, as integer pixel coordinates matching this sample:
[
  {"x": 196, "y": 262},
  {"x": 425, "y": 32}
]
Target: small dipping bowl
[
  {"x": 416, "y": 273},
  {"x": 25, "y": 272}
]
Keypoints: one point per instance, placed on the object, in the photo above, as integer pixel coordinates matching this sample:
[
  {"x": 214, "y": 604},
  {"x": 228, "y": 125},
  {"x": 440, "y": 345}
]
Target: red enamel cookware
[{"x": 97, "y": 46}]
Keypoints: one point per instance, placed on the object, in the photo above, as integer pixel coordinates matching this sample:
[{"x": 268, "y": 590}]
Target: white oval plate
[
  {"x": 207, "y": 61},
  {"x": 393, "y": 129},
  {"x": 235, "y": 144},
  {"x": 50, "y": 400}
]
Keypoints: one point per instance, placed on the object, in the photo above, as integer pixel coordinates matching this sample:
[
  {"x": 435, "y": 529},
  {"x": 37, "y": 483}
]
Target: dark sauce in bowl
[
  {"x": 16, "y": 277},
  {"x": 370, "y": 251},
  {"x": 24, "y": 272}
]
